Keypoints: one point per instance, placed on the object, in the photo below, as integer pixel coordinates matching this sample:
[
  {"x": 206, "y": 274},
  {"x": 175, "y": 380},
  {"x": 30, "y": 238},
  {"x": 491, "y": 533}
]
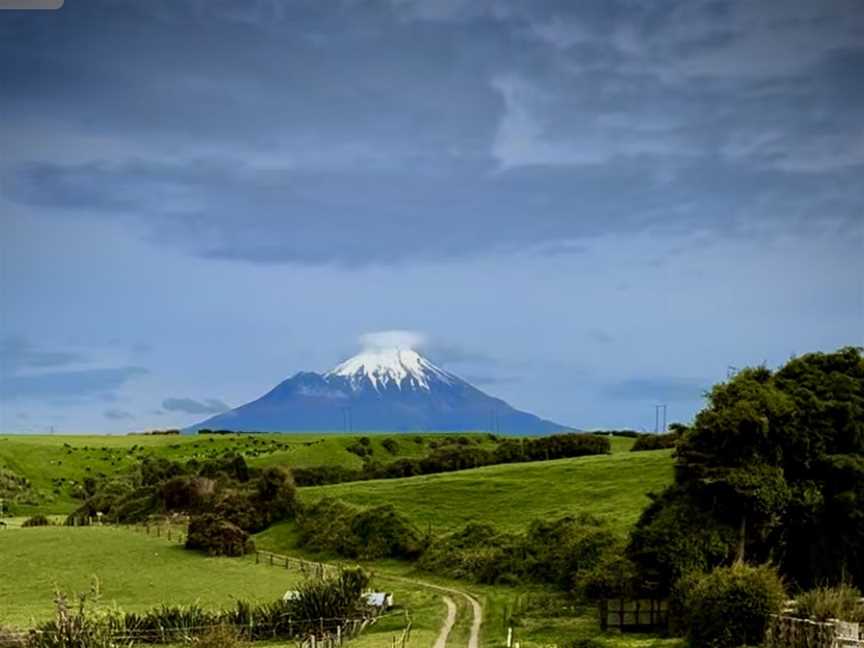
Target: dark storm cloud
[
  {"x": 67, "y": 384},
  {"x": 191, "y": 406},
  {"x": 382, "y": 132}
]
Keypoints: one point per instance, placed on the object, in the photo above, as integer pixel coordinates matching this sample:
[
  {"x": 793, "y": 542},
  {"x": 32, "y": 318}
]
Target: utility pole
[{"x": 657, "y": 418}]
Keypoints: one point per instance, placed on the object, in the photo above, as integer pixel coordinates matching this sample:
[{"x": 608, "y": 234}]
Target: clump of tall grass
[{"x": 840, "y": 602}]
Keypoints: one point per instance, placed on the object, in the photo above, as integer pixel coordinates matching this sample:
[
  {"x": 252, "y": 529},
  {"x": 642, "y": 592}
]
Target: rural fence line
[{"x": 348, "y": 628}]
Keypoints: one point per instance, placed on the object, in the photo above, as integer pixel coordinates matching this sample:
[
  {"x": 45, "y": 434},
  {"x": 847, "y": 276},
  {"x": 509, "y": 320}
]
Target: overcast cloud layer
[{"x": 587, "y": 208}]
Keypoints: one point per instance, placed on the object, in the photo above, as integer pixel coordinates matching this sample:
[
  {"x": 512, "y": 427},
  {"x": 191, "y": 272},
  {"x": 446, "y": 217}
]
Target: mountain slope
[{"x": 379, "y": 390}]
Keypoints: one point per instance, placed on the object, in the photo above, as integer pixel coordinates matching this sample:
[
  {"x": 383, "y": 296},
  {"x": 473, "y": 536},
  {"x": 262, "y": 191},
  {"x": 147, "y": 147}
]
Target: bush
[
  {"x": 184, "y": 493},
  {"x": 731, "y": 606},
  {"x": 558, "y": 552},
  {"x": 614, "y": 576},
  {"x": 654, "y": 442},
  {"x": 36, "y": 521},
  {"x": 217, "y": 536},
  {"x": 360, "y": 450},
  {"x": 379, "y": 532},
  {"x": 390, "y": 445},
  {"x": 842, "y": 602}
]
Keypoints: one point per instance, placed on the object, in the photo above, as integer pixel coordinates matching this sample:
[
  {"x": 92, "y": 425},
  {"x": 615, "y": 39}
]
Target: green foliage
[
  {"x": 654, "y": 442},
  {"x": 558, "y": 552},
  {"x": 675, "y": 536},
  {"x": 732, "y": 606},
  {"x": 36, "y": 521},
  {"x": 452, "y": 454},
  {"x": 613, "y": 576},
  {"x": 391, "y": 445},
  {"x": 74, "y": 626},
  {"x": 840, "y": 602},
  {"x": 377, "y": 532},
  {"x": 773, "y": 468},
  {"x": 218, "y": 537}
]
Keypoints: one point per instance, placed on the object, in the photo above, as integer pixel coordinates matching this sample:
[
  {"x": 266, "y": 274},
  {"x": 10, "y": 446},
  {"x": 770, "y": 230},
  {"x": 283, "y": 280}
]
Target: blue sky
[{"x": 586, "y": 208}]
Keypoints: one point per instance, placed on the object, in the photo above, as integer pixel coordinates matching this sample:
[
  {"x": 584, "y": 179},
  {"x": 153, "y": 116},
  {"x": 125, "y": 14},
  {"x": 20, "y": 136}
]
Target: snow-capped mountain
[
  {"x": 386, "y": 389},
  {"x": 397, "y": 367}
]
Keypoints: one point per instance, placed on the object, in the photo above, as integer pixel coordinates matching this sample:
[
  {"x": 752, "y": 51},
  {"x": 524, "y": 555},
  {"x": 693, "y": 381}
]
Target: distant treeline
[
  {"x": 630, "y": 434},
  {"x": 155, "y": 432},
  {"x": 459, "y": 457}
]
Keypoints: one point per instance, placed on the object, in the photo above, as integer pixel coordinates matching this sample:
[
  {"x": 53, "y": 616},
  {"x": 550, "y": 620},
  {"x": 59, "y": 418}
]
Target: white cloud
[{"x": 389, "y": 339}]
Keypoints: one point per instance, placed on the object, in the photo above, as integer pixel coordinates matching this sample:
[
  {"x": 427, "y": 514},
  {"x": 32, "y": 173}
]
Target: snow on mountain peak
[{"x": 385, "y": 366}]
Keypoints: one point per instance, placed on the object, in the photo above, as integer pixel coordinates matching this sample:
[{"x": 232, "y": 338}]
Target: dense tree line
[{"x": 456, "y": 456}]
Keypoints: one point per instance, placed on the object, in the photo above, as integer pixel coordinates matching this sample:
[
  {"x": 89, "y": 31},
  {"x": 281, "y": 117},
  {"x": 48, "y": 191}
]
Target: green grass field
[
  {"x": 54, "y": 464},
  {"x": 132, "y": 570},
  {"x": 136, "y": 572},
  {"x": 509, "y": 496}
]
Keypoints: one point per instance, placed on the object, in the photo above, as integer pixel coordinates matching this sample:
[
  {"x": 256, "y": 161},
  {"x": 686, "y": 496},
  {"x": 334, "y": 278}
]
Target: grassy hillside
[
  {"x": 53, "y": 465},
  {"x": 509, "y": 496},
  {"x": 133, "y": 570}
]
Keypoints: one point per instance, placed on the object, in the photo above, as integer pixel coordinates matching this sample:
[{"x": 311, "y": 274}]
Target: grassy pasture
[
  {"x": 133, "y": 570},
  {"x": 509, "y": 496},
  {"x": 54, "y": 464},
  {"x": 136, "y": 572}
]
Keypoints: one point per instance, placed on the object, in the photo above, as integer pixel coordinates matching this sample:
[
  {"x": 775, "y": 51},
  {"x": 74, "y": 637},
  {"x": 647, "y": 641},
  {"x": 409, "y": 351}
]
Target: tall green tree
[{"x": 772, "y": 469}]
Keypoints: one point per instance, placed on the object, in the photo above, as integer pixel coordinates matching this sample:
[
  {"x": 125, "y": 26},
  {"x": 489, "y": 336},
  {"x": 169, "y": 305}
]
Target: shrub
[
  {"x": 359, "y": 449},
  {"x": 654, "y": 442},
  {"x": 731, "y": 606},
  {"x": 390, "y": 445},
  {"x": 841, "y": 602},
  {"x": 379, "y": 532},
  {"x": 74, "y": 626},
  {"x": 614, "y": 576},
  {"x": 36, "y": 521},
  {"x": 183, "y": 493},
  {"x": 217, "y": 536},
  {"x": 558, "y": 552}
]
